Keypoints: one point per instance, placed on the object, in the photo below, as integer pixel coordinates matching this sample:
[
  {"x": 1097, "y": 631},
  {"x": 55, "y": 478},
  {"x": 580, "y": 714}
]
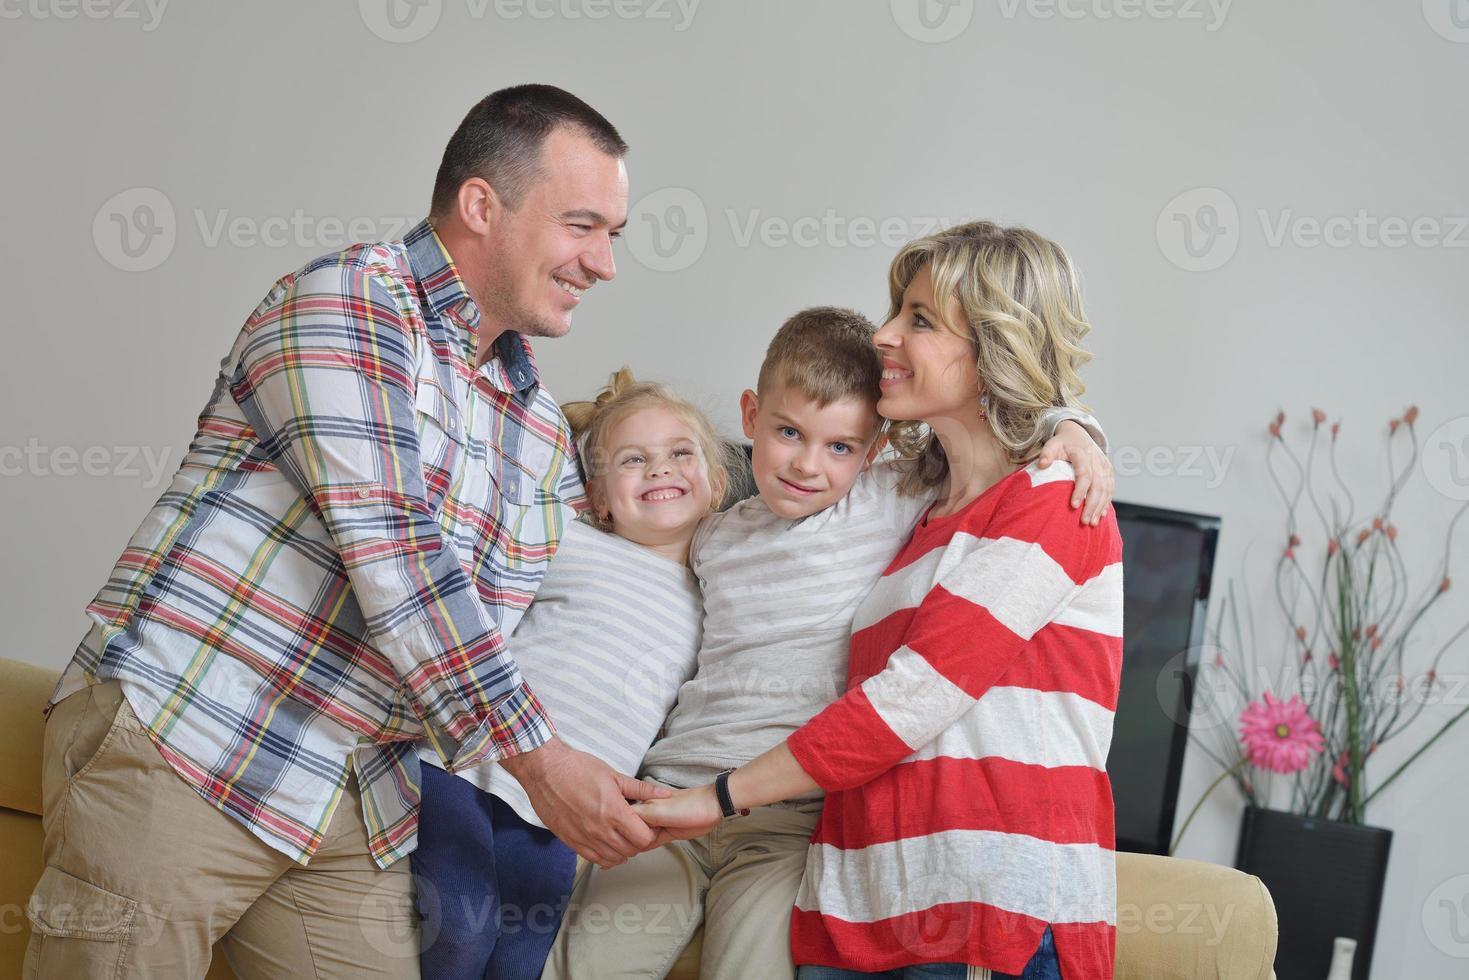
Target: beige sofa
[{"x": 1176, "y": 919}]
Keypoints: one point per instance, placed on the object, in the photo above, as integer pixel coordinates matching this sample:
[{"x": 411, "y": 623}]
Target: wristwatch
[{"x": 726, "y": 802}]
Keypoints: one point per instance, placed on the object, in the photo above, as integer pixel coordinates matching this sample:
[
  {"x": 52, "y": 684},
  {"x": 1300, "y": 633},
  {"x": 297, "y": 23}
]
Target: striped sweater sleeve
[{"x": 998, "y": 585}]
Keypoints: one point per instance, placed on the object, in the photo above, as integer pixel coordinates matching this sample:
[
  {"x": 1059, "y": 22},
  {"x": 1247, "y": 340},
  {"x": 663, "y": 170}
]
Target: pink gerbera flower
[{"x": 1280, "y": 735}]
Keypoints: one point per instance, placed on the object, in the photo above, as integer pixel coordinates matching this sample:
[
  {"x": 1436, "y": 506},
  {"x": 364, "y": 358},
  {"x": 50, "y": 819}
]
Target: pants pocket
[{"x": 77, "y": 928}]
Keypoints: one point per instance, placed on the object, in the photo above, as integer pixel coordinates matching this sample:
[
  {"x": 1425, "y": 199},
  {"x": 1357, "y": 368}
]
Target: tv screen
[{"x": 1167, "y": 564}]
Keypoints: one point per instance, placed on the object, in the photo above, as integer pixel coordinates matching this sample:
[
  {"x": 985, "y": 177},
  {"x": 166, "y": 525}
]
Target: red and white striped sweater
[{"x": 968, "y": 805}]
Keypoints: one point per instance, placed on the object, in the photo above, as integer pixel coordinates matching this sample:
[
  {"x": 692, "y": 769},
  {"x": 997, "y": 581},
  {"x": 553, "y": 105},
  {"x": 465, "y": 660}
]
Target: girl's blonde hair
[
  {"x": 592, "y": 423},
  {"x": 1022, "y": 311}
]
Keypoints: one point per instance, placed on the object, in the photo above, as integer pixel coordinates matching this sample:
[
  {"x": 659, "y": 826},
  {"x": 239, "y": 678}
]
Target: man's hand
[
  {"x": 687, "y": 813},
  {"x": 1095, "y": 480},
  {"x": 583, "y": 801}
]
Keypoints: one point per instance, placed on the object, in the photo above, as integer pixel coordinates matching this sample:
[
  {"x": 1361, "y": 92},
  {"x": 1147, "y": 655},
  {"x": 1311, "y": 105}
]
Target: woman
[{"x": 968, "y": 820}]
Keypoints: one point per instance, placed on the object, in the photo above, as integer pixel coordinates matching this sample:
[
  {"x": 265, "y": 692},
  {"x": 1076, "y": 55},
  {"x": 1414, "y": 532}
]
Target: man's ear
[
  {"x": 479, "y": 207},
  {"x": 749, "y": 405}
]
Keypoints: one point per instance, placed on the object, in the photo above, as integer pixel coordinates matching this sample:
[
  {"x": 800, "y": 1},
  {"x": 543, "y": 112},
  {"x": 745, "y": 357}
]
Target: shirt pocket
[{"x": 441, "y": 441}]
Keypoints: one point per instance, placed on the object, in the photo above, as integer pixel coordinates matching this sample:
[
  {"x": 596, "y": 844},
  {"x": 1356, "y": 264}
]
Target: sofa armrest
[
  {"x": 24, "y": 691},
  {"x": 1191, "y": 919}
]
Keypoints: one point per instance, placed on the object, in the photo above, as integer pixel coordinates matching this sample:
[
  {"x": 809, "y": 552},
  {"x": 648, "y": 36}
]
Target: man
[{"x": 373, "y": 492}]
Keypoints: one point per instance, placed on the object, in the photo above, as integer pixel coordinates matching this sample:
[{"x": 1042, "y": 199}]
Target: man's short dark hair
[{"x": 500, "y": 141}]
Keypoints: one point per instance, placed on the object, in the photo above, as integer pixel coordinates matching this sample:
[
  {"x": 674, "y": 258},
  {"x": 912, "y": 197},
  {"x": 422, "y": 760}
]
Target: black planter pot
[{"x": 1326, "y": 879}]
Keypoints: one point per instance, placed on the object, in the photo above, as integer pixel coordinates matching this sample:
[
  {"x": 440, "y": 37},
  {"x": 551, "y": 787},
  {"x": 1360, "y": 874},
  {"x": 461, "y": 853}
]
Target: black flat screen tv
[{"x": 1167, "y": 568}]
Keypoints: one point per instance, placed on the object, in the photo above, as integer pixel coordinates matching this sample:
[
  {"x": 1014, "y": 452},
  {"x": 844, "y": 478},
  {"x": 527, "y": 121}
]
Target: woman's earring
[{"x": 984, "y": 402}]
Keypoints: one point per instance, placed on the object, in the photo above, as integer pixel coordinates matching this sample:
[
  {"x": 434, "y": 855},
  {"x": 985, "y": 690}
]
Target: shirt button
[{"x": 364, "y": 493}]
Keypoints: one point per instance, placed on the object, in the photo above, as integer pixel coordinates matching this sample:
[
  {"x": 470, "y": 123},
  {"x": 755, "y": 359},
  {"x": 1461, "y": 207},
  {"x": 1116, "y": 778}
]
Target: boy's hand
[{"x": 1095, "y": 480}]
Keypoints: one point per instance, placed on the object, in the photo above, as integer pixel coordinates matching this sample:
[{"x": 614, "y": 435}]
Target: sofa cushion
[{"x": 23, "y": 696}]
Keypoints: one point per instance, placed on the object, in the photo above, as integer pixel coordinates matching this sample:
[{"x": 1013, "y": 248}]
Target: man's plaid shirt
[{"x": 327, "y": 584}]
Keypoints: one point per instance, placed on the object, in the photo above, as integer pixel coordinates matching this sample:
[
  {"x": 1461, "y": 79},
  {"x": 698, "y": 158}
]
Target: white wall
[{"x": 1085, "y": 127}]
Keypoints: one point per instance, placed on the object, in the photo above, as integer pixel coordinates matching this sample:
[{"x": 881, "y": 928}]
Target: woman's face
[{"x": 928, "y": 362}]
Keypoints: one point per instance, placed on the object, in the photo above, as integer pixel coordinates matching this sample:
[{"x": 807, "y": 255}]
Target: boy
[{"x": 782, "y": 575}]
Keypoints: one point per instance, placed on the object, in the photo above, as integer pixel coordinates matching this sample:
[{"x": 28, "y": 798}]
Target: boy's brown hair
[{"x": 825, "y": 352}]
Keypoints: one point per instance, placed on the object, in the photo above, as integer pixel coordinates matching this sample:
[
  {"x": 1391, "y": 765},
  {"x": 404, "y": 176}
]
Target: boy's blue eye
[
  {"x": 788, "y": 432},
  {"x": 841, "y": 448}
]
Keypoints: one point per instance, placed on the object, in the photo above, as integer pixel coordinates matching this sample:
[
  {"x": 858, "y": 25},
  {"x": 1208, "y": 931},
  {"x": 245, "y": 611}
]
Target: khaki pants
[
  {"x": 740, "y": 881},
  {"x": 143, "y": 876}
]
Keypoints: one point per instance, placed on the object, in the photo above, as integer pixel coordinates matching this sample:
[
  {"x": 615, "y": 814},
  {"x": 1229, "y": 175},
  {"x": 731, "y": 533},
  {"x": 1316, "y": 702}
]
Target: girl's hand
[
  {"x": 1095, "y": 480},
  {"x": 687, "y": 813}
]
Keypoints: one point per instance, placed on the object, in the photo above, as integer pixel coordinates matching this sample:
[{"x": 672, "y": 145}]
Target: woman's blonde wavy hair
[
  {"x": 1023, "y": 314},
  {"x": 592, "y": 423}
]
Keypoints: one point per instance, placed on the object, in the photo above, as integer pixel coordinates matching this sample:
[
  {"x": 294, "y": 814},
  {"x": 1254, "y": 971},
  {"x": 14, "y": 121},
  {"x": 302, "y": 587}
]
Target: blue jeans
[
  {"x": 491, "y": 888},
  {"x": 1042, "y": 966}
]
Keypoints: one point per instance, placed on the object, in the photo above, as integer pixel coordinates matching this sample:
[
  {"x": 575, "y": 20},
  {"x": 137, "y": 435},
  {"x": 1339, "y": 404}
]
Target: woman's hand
[
  {"x": 1095, "y": 480},
  {"x": 687, "y": 813}
]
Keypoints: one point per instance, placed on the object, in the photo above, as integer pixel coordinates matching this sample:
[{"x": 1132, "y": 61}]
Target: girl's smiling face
[{"x": 654, "y": 486}]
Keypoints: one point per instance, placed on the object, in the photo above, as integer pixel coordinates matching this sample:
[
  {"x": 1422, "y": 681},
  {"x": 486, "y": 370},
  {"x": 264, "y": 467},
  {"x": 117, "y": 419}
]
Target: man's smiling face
[{"x": 557, "y": 244}]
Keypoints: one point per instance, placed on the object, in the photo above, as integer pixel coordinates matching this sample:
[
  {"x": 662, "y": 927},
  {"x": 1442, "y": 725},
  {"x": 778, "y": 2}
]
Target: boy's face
[{"x": 807, "y": 457}]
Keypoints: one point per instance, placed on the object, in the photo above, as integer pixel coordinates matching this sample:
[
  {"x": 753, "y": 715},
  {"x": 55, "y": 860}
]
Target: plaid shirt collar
[{"x": 442, "y": 290}]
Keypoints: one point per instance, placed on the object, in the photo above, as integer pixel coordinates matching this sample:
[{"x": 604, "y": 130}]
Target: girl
[
  {"x": 611, "y": 635},
  {"x": 968, "y": 819}
]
